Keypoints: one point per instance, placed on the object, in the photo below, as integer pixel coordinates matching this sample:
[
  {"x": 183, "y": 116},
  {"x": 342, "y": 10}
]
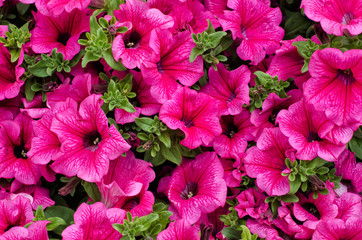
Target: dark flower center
[
  {"x": 132, "y": 39},
  {"x": 311, "y": 208},
  {"x": 63, "y": 38},
  {"x": 9, "y": 227},
  {"x": 188, "y": 123},
  {"x": 232, "y": 96},
  {"x": 347, "y": 18},
  {"x": 190, "y": 191},
  {"x": 346, "y": 76},
  {"x": 313, "y": 136},
  {"x": 131, "y": 203},
  {"x": 91, "y": 140},
  {"x": 20, "y": 151},
  {"x": 159, "y": 67},
  {"x": 230, "y": 130}
]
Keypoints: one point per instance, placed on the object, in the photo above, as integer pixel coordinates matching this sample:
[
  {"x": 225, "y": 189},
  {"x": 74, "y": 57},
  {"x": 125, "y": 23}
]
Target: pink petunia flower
[
  {"x": 14, "y": 212},
  {"x": 336, "y": 85},
  {"x": 61, "y": 32},
  {"x": 230, "y": 89},
  {"x": 125, "y": 185},
  {"x": 45, "y": 144},
  {"x": 252, "y": 203},
  {"x": 15, "y": 142},
  {"x": 311, "y": 133},
  {"x": 287, "y": 63},
  {"x": 272, "y": 105},
  {"x": 10, "y": 74},
  {"x": 335, "y": 16},
  {"x": 256, "y": 24},
  {"x": 311, "y": 211},
  {"x": 236, "y": 132},
  {"x": 169, "y": 63},
  {"x": 347, "y": 167},
  {"x": 133, "y": 46},
  {"x": 197, "y": 186},
  {"x": 36, "y": 231},
  {"x": 195, "y": 114},
  {"x": 87, "y": 144},
  {"x": 349, "y": 205},
  {"x": 266, "y": 162},
  {"x": 144, "y": 103},
  {"x": 94, "y": 222},
  {"x": 180, "y": 229},
  {"x": 337, "y": 229}
]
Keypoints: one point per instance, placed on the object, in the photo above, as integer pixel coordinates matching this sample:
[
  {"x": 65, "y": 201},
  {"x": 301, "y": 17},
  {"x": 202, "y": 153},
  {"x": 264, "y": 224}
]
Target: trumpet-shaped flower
[
  {"x": 256, "y": 25},
  {"x": 195, "y": 114},
  {"x": 197, "y": 186},
  {"x": 87, "y": 144},
  {"x": 336, "y": 85},
  {"x": 335, "y": 16}
]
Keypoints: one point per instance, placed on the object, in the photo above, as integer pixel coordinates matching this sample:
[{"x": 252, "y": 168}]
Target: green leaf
[
  {"x": 62, "y": 212},
  {"x": 29, "y": 94},
  {"x": 294, "y": 186},
  {"x": 210, "y": 29},
  {"x": 289, "y": 198},
  {"x": 39, "y": 69},
  {"x": 231, "y": 233},
  {"x": 165, "y": 139},
  {"x": 355, "y": 145},
  {"x": 92, "y": 190},
  {"x": 55, "y": 222},
  {"x": 108, "y": 56},
  {"x": 216, "y": 37},
  {"x": 145, "y": 123},
  {"x": 36, "y": 87},
  {"x": 76, "y": 58},
  {"x": 22, "y": 8},
  {"x": 194, "y": 53},
  {"x": 39, "y": 214},
  {"x": 89, "y": 57},
  {"x": 172, "y": 154}
]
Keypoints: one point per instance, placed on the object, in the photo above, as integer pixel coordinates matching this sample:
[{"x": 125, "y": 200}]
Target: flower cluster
[{"x": 180, "y": 119}]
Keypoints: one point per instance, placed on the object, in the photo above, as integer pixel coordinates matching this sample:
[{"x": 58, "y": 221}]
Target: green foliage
[
  {"x": 266, "y": 84},
  {"x": 118, "y": 94},
  {"x": 15, "y": 38},
  {"x": 209, "y": 45},
  {"x": 92, "y": 190},
  {"x": 297, "y": 24},
  {"x": 159, "y": 142},
  {"x": 148, "y": 226},
  {"x": 99, "y": 42},
  {"x": 355, "y": 145}
]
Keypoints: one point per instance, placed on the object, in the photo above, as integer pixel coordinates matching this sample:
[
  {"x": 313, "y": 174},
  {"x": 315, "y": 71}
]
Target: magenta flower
[
  {"x": 57, "y": 7},
  {"x": 94, "y": 222},
  {"x": 10, "y": 74},
  {"x": 199, "y": 22},
  {"x": 311, "y": 133},
  {"x": 272, "y": 105},
  {"x": 336, "y": 85},
  {"x": 125, "y": 185},
  {"x": 349, "y": 205},
  {"x": 36, "y": 231},
  {"x": 311, "y": 211},
  {"x": 252, "y": 203},
  {"x": 230, "y": 89},
  {"x": 287, "y": 63},
  {"x": 144, "y": 102},
  {"x": 45, "y": 145},
  {"x": 87, "y": 144},
  {"x": 197, "y": 186},
  {"x": 335, "y": 16},
  {"x": 195, "y": 114},
  {"x": 15, "y": 142},
  {"x": 347, "y": 167},
  {"x": 258, "y": 37},
  {"x": 60, "y": 32},
  {"x": 266, "y": 162},
  {"x": 133, "y": 46},
  {"x": 15, "y": 212},
  {"x": 337, "y": 229},
  {"x": 170, "y": 63},
  {"x": 180, "y": 229},
  {"x": 36, "y": 108},
  {"x": 236, "y": 132}
]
